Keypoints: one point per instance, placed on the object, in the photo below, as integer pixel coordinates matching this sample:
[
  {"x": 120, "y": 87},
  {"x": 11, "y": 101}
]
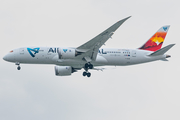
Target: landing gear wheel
[
  {"x": 90, "y": 66},
  {"x": 18, "y": 64},
  {"x": 84, "y": 74},
  {"x": 18, "y": 68},
  {"x": 86, "y": 65},
  {"x": 88, "y": 74}
]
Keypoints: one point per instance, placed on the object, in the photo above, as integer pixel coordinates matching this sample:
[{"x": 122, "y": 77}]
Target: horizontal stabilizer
[
  {"x": 162, "y": 51},
  {"x": 164, "y": 59},
  {"x": 101, "y": 69}
]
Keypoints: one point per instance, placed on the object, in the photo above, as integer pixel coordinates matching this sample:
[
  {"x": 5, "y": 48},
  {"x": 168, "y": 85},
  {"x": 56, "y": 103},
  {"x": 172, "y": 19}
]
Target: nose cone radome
[
  {"x": 5, "y": 58},
  {"x": 9, "y": 57}
]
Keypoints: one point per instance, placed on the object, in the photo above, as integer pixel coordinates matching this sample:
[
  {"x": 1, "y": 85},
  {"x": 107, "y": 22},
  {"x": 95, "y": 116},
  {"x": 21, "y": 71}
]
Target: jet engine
[{"x": 63, "y": 70}]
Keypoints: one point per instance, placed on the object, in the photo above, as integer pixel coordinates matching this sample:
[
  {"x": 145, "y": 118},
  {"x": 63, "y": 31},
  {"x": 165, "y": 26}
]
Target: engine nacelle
[
  {"x": 63, "y": 70},
  {"x": 66, "y": 53}
]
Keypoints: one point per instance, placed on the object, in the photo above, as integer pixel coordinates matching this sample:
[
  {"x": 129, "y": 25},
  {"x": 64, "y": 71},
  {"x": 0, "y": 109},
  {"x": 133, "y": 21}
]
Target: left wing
[{"x": 89, "y": 50}]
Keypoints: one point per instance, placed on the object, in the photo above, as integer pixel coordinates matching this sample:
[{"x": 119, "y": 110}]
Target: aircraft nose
[
  {"x": 9, "y": 57},
  {"x": 5, "y": 58}
]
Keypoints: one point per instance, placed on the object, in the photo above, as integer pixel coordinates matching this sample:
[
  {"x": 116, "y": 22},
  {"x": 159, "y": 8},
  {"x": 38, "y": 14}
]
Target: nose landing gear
[{"x": 19, "y": 67}]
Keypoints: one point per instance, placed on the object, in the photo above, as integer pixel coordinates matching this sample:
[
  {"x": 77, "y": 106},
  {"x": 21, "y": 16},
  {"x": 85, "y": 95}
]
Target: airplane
[{"x": 90, "y": 55}]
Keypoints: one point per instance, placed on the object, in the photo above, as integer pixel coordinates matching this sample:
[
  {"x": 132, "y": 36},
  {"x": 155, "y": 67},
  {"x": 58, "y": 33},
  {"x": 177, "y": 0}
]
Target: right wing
[{"x": 89, "y": 50}]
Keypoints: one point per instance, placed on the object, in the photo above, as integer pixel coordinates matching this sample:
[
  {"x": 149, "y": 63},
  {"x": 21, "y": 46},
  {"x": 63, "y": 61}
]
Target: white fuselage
[{"x": 105, "y": 56}]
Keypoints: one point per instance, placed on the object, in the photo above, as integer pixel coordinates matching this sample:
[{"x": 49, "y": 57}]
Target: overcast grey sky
[{"x": 142, "y": 92}]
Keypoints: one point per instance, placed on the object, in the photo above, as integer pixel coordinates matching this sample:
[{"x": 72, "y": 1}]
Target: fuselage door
[
  {"x": 21, "y": 51},
  {"x": 49, "y": 51},
  {"x": 59, "y": 51},
  {"x": 133, "y": 53}
]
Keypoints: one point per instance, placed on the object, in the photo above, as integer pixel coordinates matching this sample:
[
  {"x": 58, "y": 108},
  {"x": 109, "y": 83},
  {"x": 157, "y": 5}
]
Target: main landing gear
[
  {"x": 19, "y": 67},
  {"x": 87, "y": 66},
  {"x": 86, "y": 73}
]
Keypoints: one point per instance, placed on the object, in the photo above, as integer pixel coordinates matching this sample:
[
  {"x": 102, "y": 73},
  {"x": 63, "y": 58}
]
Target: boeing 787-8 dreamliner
[{"x": 89, "y": 55}]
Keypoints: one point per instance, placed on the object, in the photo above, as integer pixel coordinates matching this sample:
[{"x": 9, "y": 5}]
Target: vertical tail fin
[{"x": 156, "y": 41}]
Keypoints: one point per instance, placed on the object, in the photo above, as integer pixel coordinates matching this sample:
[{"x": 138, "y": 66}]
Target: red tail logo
[{"x": 156, "y": 41}]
